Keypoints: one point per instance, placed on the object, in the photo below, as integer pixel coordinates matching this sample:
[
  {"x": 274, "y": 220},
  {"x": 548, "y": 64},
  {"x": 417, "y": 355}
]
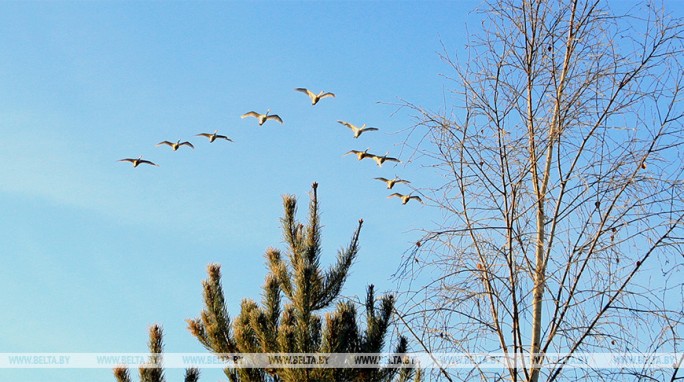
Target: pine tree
[
  {"x": 288, "y": 320},
  {"x": 152, "y": 371}
]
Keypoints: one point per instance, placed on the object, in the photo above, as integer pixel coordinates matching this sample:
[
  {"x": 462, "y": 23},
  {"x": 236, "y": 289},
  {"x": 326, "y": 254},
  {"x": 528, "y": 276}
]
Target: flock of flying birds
[{"x": 263, "y": 118}]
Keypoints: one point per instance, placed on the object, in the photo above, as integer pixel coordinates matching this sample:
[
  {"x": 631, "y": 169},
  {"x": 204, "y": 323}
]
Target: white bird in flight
[
  {"x": 384, "y": 158},
  {"x": 315, "y": 97},
  {"x": 405, "y": 198},
  {"x": 262, "y": 117},
  {"x": 392, "y": 182},
  {"x": 177, "y": 145},
  {"x": 138, "y": 161},
  {"x": 213, "y": 137},
  {"x": 358, "y": 130},
  {"x": 360, "y": 154}
]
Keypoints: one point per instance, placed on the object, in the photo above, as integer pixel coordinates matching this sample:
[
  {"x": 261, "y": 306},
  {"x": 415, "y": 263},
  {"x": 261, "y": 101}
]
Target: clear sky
[{"x": 93, "y": 250}]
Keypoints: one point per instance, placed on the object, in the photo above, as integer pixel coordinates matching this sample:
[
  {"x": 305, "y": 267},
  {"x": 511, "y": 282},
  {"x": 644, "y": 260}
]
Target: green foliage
[{"x": 294, "y": 324}]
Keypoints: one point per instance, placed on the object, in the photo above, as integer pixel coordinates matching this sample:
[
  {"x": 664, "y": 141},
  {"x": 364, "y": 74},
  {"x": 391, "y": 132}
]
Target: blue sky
[{"x": 94, "y": 251}]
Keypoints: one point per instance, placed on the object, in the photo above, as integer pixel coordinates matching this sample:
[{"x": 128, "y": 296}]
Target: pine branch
[
  {"x": 192, "y": 375},
  {"x": 152, "y": 371},
  {"x": 406, "y": 373},
  {"x": 286, "y": 330},
  {"x": 315, "y": 330},
  {"x": 212, "y": 329},
  {"x": 341, "y": 335},
  {"x": 377, "y": 322},
  {"x": 268, "y": 319},
  {"x": 244, "y": 327},
  {"x": 341, "y": 332},
  {"x": 312, "y": 241},
  {"x": 335, "y": 277},
  {"x": 291, "y": 228},
  {"x": 279, "y": 271},
  {"x": 122, "y": 375}
]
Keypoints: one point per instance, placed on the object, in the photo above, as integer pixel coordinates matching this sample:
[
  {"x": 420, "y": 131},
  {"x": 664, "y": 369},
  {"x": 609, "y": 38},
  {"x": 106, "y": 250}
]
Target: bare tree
[{"x": 563, "y": 193}]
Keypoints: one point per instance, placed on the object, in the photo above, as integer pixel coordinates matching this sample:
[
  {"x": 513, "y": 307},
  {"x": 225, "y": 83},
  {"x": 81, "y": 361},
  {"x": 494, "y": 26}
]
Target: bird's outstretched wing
[
  {"x": 275, "y": 117},
  {"x": 165, "y": 143},
  {"x": 127, "y": 160},
  {"x": 186, "y": 143},
  {"x": 250, "y": 114},
  {"x": 223, "y": 137},
  {"x": 205, "y": 135},
  {"x": 349, "y": 125},
  {"x": 383, "y": 179},
  {"x": 390, "y": 159},
  {"x": 417, "y": 198},
  {"x": 307, "y": 92},
  {"x": 370, "y": 129},
  {"x": 356, "y": 152},
  {"x": 325, "y": 95},
  {"x": 398, "y": 195},
  {"x": 148, "y": 162}
]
